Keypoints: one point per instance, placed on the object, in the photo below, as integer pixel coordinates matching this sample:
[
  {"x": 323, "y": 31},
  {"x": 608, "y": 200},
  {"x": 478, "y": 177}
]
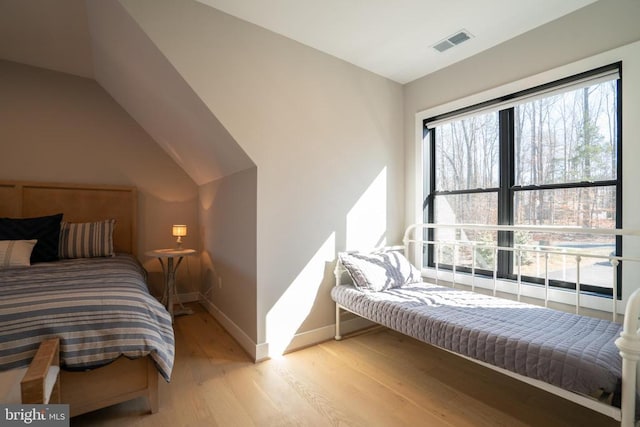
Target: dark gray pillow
[
  {"x": 378, "y": 271},
  {"x": 45, "y": 229}
]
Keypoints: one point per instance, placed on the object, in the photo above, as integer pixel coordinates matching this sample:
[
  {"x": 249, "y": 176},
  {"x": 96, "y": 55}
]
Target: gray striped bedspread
[
  {"x": 100, "y": 308},
  {"x": 576, "y": 353}
]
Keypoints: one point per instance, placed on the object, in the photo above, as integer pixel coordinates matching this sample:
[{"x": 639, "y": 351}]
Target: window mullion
[
  {"x": 505, "y": 192},
  {"x": 431, "y": 212}
]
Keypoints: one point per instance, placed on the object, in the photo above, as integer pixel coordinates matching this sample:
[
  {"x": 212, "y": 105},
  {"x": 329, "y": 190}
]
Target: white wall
[
  {"x": 322, "y": 133},
  {"x": 228, "y": 232},
  {"x": 604, "y": 31},
  {"x": 61, "y": 128}
]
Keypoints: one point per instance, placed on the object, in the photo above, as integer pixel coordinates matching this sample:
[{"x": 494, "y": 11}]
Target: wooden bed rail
[{"x": 41, "y": 382}]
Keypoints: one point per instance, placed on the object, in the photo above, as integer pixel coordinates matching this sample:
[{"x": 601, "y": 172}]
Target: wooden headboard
[{"x": 78, "y": 203}]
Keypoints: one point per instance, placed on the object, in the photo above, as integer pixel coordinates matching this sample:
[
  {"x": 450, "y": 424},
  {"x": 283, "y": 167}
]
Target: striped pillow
[
  {"x": 86, "y": 240},
  {"x": 379, "y": 271},
  {"x": 15, "y": 253}
]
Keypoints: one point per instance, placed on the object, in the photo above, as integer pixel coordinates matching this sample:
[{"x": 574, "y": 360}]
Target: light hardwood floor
[{"x": 375, "y": 378}]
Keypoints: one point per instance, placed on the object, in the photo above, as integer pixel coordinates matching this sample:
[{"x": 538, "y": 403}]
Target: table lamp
[{"x": 179, "y": 231}]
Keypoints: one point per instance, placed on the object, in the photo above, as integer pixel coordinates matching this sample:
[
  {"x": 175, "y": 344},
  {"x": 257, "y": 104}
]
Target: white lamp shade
[{"x": 179, "y": 230}]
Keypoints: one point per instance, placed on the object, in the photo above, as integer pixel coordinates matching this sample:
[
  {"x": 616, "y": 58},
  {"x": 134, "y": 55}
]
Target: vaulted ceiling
[{"x": 98, "y": 39}]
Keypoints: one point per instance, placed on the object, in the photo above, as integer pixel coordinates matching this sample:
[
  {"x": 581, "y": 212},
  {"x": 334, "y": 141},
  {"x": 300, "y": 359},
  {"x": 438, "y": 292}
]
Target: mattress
[
  {"x": 100, "y": 308},
  {"x": 576, "y": 353}
]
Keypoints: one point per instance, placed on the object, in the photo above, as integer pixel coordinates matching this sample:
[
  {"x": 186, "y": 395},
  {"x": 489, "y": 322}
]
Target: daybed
[
  {"x": 568, "y": 354},
  {"x": 114, "y": 336}
]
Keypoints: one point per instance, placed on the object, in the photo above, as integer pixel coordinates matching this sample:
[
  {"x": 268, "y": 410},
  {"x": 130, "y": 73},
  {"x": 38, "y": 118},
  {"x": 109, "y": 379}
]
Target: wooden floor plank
[
  {"x": 374, "y": 378},
  {"x": 414, "y": 378},
  {"x": 355, "y": 393}
]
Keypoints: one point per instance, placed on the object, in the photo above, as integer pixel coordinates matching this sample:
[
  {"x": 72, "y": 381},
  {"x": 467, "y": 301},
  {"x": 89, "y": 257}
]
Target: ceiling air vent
[{"x": 452, "y": 40}]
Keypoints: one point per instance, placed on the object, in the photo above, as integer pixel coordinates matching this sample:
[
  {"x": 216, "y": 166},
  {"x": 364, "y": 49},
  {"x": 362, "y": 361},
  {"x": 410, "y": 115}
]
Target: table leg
[
  {"x": 182, "y": 310},
  {"x": 170, "y": 285},
  {"x": 163, "y": 301},
  {"x": 170, "y": 293}
]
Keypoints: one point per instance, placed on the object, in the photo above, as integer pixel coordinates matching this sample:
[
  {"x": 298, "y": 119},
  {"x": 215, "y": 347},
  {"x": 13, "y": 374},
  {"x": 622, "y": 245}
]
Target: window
[{"x": 545, "y": 156}]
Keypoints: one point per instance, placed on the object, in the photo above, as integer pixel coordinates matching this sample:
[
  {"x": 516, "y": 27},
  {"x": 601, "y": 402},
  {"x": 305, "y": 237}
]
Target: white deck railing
[{"x": 541, "y": 252}]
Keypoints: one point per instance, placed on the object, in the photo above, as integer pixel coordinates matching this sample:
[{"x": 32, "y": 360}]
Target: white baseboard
[
  {"x": 315, "y": 336},
  {"x": 260, "y": 351},
  {"x": 234, "y": 330}
]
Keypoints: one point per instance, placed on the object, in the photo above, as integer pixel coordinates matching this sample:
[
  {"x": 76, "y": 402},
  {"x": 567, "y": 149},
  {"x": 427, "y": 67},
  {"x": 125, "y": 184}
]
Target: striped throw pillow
[
  {"x": 87, "y": 239},
  {"x": 379, "y": 271},
  {"x": 15, "y": 253}
]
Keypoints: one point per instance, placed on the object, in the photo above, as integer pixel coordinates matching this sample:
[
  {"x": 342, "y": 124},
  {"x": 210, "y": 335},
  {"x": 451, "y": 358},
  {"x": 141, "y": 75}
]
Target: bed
[
  {"x": 115, "y": 338},
  {"x": 579, "y": 360}
]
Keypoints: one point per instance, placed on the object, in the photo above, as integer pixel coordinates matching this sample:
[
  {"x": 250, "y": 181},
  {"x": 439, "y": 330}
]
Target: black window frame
[{"x": 507, "y": 187}]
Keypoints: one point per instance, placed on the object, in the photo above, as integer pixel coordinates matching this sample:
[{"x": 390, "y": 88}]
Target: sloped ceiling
[
  {"x": 132, "y": 69},
  {"x": 47, "y": 34},
  {"x": 98, "y": 39}
]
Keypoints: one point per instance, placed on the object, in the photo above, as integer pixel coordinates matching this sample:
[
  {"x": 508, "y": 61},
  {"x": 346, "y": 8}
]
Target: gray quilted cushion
[{"x": 576, "y": 353}]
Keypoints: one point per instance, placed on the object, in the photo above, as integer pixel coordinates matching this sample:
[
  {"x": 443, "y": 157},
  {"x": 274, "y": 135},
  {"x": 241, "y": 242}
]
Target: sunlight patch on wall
[
  {"x": 367, "y": 220},
  {"x": 293, "y": 307}
]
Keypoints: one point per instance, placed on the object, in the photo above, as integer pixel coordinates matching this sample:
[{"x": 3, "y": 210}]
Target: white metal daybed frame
[{"x": 628, "y": 343}]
